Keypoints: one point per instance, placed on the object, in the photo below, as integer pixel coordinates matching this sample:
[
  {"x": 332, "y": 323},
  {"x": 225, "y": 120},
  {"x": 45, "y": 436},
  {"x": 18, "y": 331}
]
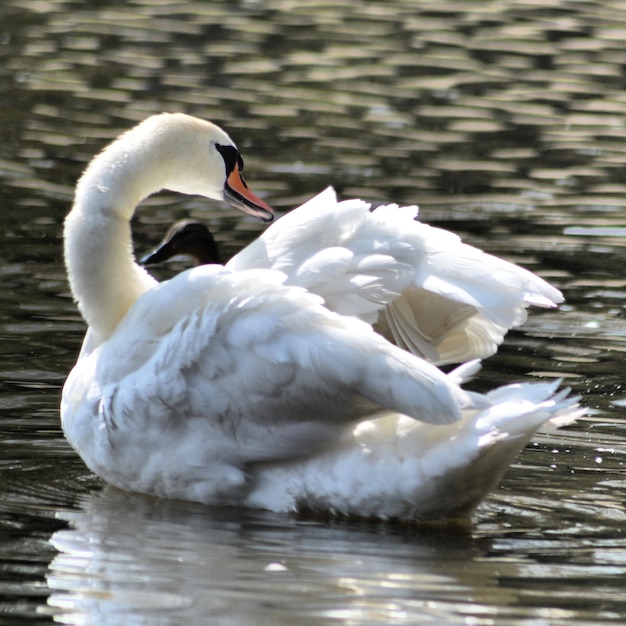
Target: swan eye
[{"x": 231, "y": 157}]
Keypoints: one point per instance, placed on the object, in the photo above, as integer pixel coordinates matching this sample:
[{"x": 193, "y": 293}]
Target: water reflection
[
  {"x": 505, "y": 122},
  {"x": 142, "y": 558},
  {"x": 134, "y": 558}
]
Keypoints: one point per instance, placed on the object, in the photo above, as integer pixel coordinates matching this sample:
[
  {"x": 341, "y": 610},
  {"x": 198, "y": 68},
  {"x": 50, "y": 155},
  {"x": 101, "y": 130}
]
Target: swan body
[{"x": 228, "y": 385}]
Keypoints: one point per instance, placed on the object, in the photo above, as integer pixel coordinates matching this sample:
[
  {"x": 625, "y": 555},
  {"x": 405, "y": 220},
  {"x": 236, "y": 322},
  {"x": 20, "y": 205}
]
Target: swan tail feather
[{"x": 394, "y": 467}]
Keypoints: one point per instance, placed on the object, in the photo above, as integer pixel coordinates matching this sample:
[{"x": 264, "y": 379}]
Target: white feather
[
  {"x": 394, "y": 467},
  {"x": 422, "y": 287}
]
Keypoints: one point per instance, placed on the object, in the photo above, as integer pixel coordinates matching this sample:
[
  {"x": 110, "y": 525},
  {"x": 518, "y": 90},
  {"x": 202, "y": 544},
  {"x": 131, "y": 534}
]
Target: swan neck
[{"x": 104, "y": 278}]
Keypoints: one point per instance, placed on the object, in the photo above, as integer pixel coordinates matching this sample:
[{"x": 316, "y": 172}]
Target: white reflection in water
[{"x": 132, "y": 559}]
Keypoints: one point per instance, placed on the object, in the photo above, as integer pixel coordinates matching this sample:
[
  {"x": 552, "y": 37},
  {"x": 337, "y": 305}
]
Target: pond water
[{"x": 504, "y": 121}]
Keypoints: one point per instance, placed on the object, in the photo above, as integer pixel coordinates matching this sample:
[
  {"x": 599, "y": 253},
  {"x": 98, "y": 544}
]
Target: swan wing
[
  {"x": 423, "y": 288},
  {"x": 256, "y": 369},
  {"x": 460, "y": 301}
]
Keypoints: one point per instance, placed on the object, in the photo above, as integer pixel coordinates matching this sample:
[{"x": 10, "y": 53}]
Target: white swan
[
  {"x": 420, "y": 286},
  {"x": 232, "y": 387}
]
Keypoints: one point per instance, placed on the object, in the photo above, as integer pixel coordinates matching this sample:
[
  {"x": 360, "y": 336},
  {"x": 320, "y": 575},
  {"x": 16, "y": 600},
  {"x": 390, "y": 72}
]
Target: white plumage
[
  {"x": 396, "y": 467},
  {"x": 423, "y": 288},
  {"x": 234, "y": 386}
]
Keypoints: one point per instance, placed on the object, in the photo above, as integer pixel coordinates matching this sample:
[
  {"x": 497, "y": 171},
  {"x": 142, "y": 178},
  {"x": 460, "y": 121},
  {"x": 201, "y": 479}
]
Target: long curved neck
[{"x": 103, "y": 275}]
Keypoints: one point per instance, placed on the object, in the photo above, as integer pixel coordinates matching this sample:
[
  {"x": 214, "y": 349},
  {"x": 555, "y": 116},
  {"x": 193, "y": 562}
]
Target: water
[{"x": 504, "y": 121}]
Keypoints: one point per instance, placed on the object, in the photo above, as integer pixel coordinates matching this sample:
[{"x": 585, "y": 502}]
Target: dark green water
[{"x": 504, "y": 121}]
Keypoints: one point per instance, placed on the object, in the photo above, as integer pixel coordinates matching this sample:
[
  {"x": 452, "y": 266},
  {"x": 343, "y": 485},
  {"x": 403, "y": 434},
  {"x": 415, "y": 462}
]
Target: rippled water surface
[{"x": 505, "y": 121}]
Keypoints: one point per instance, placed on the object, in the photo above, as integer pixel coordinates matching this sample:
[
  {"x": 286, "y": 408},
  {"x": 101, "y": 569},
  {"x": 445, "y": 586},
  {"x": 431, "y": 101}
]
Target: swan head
[
  {"x": 171, "y": 151},
  {"x": 197, "y": 157}
]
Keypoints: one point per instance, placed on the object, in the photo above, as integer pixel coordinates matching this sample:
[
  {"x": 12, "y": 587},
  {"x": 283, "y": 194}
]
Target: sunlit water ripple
[{"x": 505, "y": 122}]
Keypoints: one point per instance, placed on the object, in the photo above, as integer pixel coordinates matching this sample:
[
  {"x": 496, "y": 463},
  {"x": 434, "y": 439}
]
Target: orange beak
[{"x": 238, "y": 194}]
